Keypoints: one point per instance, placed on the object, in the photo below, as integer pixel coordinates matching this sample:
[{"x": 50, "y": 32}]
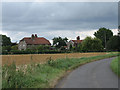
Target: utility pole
[
  {"x": 105, "y": 39},
  {"x": 119, "y": 30}
]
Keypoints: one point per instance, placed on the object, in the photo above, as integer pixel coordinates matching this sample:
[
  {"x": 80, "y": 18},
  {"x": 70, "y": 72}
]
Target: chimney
[
  {"x": 32, "y": 36},
  {"x": 78, "y": 38},
  {"x": 35, "y": 35}
]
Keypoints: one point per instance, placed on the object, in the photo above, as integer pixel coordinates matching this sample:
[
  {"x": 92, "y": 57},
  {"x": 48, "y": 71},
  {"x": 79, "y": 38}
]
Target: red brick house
[
  {"x": 74, "y": 43},
  {"x": 34, "y": 40}
]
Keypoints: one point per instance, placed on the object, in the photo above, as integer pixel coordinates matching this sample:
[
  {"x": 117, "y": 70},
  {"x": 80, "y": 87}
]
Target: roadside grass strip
[
  {"x": 46, "y": 75},
  {"x": 115, "y": 65}
]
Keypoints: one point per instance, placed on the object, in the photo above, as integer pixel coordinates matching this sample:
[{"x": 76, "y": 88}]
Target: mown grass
[
  {"x": 115, "y": 64},
  {"x": 42, "y": 75}
]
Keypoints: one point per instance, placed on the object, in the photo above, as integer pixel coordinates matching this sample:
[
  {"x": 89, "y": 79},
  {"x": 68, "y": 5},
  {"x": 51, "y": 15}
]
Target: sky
[{"x": 53, "y": 19}]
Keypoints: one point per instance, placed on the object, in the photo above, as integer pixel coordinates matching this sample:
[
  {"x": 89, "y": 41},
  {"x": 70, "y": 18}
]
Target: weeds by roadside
[{"x": 115, "y": 64}]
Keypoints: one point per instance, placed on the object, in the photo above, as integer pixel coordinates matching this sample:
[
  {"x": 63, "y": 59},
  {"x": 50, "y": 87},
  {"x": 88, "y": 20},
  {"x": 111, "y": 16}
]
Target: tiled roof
[
  {"x": 77, "y": 41},
  {"x": 36, "y": 41}
]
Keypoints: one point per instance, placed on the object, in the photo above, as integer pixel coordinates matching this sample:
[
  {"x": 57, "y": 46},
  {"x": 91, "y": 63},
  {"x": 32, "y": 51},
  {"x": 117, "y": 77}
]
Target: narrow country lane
[{"x": 96, "y": 74}]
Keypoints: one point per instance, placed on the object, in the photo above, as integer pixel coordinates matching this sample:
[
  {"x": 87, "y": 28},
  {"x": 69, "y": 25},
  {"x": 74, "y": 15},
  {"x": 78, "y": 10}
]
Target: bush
[
  {"x": 92, "y": 44},
  {"x": 33, "y": 52},
  {"x": 22, "y": 52},
  {"x": 15, "y": 47}
]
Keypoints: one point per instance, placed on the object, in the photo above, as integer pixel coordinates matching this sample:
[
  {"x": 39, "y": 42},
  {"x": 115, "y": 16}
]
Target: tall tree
[
  {"x": 104, "y": 35},
  {"x": 4, "y": 40},
  {"x": 58, "y": 41},
  {"x": 114, "y": 43}
]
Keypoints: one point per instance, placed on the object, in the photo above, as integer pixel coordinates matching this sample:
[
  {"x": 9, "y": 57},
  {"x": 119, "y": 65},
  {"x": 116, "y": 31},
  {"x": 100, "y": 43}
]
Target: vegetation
[
  {"x": 92, "y": 44},
  {"x": 6, "y": 41},
  {"x": 58, "y": 41},
  {"x": 34, "y": 50},
  {"x": 115, "y": 65},
  {"x": 14, "y": 47},
  {"x": 114, "y": 43},
  {"x": 104, "y": 35},
  {"x": 42, "y": 75},
  {"x": 41, "y": 58}
]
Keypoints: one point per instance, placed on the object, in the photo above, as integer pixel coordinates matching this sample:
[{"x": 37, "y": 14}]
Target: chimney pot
[
  {"x": 35, "y": 35},
  {"x": 78, "y": 38},
  {"x": 32, "y": 36}
]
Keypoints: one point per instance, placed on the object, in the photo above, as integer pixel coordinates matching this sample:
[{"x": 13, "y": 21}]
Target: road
[{"x": 96, "y": 74}]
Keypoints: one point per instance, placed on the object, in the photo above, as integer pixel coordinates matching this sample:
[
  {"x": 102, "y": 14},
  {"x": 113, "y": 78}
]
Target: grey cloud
[{"x": 59, "y": 16}]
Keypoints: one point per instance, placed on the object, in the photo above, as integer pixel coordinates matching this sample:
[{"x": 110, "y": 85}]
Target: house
[
  {"x": 74, "y": 43},
  {"x": 33, "y": 41}
]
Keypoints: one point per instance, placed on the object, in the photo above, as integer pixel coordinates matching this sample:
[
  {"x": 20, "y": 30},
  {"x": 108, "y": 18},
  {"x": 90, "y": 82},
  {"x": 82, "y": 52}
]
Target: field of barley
[{"x": 42, "y": 58}]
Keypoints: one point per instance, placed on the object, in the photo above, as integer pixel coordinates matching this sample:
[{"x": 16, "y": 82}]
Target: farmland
[{"x": 42, "y": 58}]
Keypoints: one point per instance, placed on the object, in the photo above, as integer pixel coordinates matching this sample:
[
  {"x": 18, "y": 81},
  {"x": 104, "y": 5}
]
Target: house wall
[
  {"x": 22, "y": 45},
  {"x": 70, "y": 43},
  {"x": 32, "y": 46}
]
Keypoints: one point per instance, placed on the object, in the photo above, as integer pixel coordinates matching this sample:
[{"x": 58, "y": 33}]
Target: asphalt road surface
[{"x": 96, "y": 74}]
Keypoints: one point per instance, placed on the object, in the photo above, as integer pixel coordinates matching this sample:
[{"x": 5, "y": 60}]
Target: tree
[
  {"x": 104, "y": 35},
  {"x": 92, "y": 44},
  {"x": 96, "y": 44},
  {"x": 78, "y": 48},
  {"x": 15, "y": 47},
  {"x": 58, "y": 41},
  {"x": 0, "y": 49},
  {"x": 86, "y": 44},
  {"x": 6, "y": 48},
  {"x": 71, "y": 47},
  {"x": 114, "y": 43},
  {"x": 14, "y": 44},
  {"x": 6, "y": 41}
]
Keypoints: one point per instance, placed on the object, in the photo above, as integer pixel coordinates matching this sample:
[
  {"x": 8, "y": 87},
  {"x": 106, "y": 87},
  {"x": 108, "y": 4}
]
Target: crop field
[{"x": 42, "y": 58}]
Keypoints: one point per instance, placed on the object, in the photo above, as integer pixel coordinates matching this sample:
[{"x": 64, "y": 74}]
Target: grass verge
[
  {"x": 115, "y": 65},
  {"x": 43, "y": 75}
]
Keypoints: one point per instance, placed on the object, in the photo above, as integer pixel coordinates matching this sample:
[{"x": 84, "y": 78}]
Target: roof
[
  {"x": 77, "y": 41},
  {"x": 36, "y": 41}
]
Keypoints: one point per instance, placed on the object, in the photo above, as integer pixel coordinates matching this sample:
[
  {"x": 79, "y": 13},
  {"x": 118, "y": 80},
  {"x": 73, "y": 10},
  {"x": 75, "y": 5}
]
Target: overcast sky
[{"x": 49, "y": 20}]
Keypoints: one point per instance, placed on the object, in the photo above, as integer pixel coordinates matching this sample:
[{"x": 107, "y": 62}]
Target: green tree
[
  {"x": 78, "y": 48},
  {"x": 6, "y": 48},
  {"x": 86, "y": 44},
  {"x": 6, "y": 41},
  {"x": 92, "y": 44},
  {"x": 0, "y": 49},
  {"x": 114, "y": 43},
  {"x": 71, "y": 47},
  {"x": 58, "y": 41},
  {"x": 96, "y": 44},
  {"x": 104, "y": 35},
  {"x": 40, "y": 48},
  {"x": 15, "y": 47}
]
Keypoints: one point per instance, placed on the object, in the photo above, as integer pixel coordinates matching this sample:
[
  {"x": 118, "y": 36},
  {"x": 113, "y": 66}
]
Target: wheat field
[{"x": 42, "y": 58}]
